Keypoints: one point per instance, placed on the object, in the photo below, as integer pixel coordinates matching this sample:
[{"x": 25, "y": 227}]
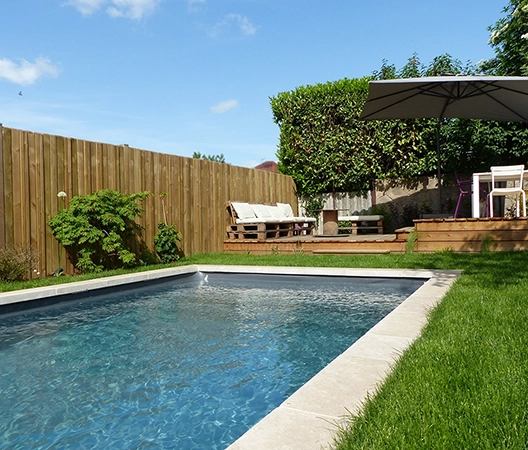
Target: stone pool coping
[{"x": 310, "y": 417}]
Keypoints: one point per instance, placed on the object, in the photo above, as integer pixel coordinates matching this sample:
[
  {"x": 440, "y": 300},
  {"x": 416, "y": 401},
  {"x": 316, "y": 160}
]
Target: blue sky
[{"x": 184, "y": 76}]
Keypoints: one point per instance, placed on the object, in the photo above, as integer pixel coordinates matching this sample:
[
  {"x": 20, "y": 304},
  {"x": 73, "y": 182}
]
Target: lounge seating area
[{"x": 261, "y": 222}]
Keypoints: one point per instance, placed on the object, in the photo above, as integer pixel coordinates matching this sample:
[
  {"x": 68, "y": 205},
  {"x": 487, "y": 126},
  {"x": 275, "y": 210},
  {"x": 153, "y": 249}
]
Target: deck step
[
  {"x": 350, "y": 252},
  {"x": 402, "y": 234}
]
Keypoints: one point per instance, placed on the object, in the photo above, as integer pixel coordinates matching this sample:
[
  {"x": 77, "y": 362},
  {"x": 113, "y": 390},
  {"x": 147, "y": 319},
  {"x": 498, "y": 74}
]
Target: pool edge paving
[{"x": 310, "y": 417}]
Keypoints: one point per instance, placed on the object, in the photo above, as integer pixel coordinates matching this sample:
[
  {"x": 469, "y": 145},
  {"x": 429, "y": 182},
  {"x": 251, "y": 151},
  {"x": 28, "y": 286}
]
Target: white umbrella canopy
[
  {"x": 448, "y": 96},
  {"x": 452, "y": 96}
]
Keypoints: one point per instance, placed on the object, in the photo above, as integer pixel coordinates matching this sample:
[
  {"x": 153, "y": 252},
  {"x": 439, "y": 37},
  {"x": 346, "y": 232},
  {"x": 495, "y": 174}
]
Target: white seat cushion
[
  {"x": 275, "y": 212},
  {"x": 304, "y": 219},
  {"x": 359, "y": 218},
  {"x": 243, "y": 210},
  {"x": 261, "y": 211},
  {"x": 286, "y": 209}
]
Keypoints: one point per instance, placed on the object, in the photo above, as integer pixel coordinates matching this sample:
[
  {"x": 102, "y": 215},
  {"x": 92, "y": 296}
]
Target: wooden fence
[{"x": 35, "y": 167}]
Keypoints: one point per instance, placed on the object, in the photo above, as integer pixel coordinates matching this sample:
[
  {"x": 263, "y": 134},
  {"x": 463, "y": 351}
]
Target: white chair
[{"x": 513, "y": 174}]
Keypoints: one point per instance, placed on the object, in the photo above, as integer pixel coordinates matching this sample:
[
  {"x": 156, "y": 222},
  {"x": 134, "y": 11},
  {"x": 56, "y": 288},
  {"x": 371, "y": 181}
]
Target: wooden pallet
[
  {"x": 263, "y": 231},
  {"x": 368, "y": 225}
]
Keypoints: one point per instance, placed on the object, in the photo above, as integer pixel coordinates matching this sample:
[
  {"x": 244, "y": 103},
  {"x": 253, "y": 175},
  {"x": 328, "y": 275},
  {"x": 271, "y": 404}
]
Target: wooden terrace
[{"x": 429, "y": 235}]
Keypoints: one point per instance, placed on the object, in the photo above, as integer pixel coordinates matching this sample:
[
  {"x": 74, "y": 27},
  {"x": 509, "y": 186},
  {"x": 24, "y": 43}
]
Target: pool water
[{"x": 187, "y": 364}]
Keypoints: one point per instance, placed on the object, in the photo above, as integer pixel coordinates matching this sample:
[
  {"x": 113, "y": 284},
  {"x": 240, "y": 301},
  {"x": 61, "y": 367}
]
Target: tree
[
  {"x": 215, "y": 158},
  {"x": 509, "y": 38}
]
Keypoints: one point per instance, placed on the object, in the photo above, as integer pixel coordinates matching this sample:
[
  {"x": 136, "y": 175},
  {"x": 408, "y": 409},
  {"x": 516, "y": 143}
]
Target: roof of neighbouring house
[{"x": 270, "y": 166}]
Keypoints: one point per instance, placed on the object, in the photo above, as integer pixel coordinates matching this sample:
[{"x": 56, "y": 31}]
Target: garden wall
[{"x": 400, "y": 201}]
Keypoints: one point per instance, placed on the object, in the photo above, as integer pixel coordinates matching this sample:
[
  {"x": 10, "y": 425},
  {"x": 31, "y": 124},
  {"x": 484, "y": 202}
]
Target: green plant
[
  {"x": 313, "y": 206},
  {"x": 166, "y": 243},
  {"x": 487, "y": 242},
  {"x": 508, "y": 39},
  {"x": 382, "y": 210},
  {"x": 344, "y": 227},
  {"x": 299, "y": 249},
  {"x": 99, "y": 230},
  {"x": 448, "y": 205},
  {"x": 425, "y": 207},
  {"x": 409, "y": 213},
  {"x": 411, "y": 241},
  {"x": 16, "y": 263}
]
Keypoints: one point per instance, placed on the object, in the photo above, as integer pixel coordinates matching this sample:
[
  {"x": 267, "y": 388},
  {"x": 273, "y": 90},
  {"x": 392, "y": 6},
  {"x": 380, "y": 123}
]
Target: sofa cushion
[
  {"x": 261, "y": 211},
  {"x": 363, "y": 218},
  {"x": 276, "y": 212},
  {"x": 286, "y": 208},
  {"x": 243, "y": 210}
]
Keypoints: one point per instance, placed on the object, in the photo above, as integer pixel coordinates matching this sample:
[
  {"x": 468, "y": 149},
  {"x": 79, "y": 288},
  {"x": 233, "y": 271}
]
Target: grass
[
  {"x": 51, "y": 281},
  {"x": 464, "y": 383}
]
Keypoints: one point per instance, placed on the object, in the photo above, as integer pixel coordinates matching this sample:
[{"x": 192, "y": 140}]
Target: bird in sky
[{"x": 20, "y": 93}]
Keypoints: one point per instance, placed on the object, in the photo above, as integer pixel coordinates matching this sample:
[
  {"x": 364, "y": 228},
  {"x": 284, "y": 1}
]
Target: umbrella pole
[{"x": 439, "y": 169}]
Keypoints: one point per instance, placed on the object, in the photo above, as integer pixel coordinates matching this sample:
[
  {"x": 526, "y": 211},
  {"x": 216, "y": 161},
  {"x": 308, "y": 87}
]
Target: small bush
[
  {"x": 382, "y": 210},
  {"x": 16, "y": 263},
  {"x": 98, "y": 230},
  {"x": 313, "y": 207},
  {"x": 166, "y": 243}
]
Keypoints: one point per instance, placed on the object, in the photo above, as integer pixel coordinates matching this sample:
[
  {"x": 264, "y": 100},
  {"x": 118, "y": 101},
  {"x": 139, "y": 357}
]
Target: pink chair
[{"x": 465, "y": 188}]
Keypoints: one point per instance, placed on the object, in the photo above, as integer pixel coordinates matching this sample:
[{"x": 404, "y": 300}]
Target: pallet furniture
[
  {"x": 261, "y": 222},
  {"x": 362, "y": 222}
]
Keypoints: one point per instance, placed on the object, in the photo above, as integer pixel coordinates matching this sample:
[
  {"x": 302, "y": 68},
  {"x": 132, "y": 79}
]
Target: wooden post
[{"x": 2, "y": 205}]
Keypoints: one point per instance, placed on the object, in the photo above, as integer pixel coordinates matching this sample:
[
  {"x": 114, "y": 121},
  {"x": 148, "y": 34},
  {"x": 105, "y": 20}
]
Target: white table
[{"x": 485, "y": 177}]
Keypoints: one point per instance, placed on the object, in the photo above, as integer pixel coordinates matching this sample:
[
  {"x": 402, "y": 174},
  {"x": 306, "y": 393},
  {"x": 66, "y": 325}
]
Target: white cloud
[
  {"x": 130, "y": 9},
  {"x": 228, "y": 21},
  {"x": 243, "y": 23},
  {"x": 224, "y": 106},
  {"x": 86, "y": 7},
  {"x": 195, "y": 5},
  {"x": 25, "y": 72}
]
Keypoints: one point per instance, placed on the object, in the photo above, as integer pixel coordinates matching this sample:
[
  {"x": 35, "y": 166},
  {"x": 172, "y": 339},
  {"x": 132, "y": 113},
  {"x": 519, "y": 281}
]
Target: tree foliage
[
  {"x": 509, "y": 39},
  {"x": 325, "y": 148},
  {"x": 99, "y": 229},
  {"x": 215, "y": 158}
]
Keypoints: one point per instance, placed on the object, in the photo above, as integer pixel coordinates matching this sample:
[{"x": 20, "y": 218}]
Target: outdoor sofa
[{"x": 261, "y": 222}]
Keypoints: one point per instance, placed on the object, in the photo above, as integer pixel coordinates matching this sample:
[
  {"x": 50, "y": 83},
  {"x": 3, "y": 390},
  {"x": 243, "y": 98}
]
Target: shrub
[
  {"x": 16, "y": 263},
  {"x": 166, "y": 243},
  {"x": 313, "y": 206},
  {"x": 382, "y": 210},
  {"x": 99, "y": 229}
]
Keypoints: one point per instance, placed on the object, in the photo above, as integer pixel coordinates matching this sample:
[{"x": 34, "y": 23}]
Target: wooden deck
[{"x": 459, "y": 235}]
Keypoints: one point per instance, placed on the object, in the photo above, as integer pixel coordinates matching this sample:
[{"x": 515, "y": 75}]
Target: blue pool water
[{"x": 187, "y": 364}]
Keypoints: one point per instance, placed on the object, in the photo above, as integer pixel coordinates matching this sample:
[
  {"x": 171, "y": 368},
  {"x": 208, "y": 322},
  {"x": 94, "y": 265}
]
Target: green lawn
[{"x": 464, "y": 383}]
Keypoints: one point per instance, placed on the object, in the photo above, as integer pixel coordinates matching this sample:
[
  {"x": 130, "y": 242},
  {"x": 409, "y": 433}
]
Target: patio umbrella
[{"x": 448, "y": 96}]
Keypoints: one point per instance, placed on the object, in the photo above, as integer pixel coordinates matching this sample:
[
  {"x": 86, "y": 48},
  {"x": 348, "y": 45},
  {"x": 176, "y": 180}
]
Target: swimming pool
[{"x": 188, "y": 363}]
